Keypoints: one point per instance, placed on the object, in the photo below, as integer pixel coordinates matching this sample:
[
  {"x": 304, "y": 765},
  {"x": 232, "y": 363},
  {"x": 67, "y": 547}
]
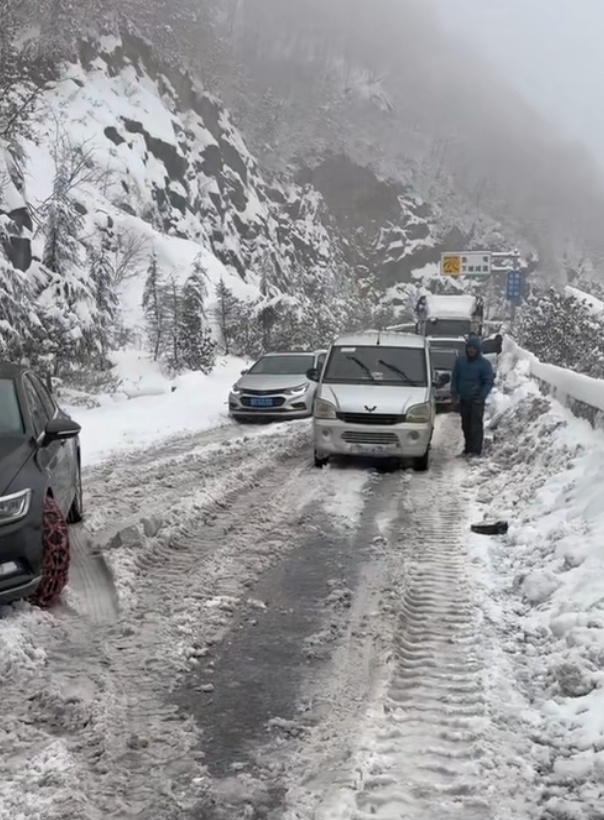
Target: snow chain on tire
[{"x": 56, "y": 555}]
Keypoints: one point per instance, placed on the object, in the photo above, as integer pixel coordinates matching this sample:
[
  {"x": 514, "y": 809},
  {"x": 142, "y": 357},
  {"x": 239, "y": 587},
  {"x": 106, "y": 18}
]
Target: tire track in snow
[
  {"x": 98, "y": 736},
  {"x": 425, "y": 752}
]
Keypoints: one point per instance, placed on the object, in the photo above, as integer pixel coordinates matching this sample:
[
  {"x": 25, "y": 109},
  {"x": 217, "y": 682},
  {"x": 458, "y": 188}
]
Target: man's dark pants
[{"x": 472, "y": 413}]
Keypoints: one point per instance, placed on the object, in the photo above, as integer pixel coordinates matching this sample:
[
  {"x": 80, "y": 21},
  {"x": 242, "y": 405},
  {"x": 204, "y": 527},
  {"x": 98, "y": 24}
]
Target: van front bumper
[{"x": 334, "y": 437}]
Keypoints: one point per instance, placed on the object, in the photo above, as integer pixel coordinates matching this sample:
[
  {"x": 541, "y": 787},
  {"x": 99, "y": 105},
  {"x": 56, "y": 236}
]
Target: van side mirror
[{"x": 313, "y": 375}]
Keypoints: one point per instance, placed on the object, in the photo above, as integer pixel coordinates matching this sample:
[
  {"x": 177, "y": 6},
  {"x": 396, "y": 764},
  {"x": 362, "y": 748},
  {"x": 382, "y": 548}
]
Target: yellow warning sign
[{"x": 450, "y": 264}]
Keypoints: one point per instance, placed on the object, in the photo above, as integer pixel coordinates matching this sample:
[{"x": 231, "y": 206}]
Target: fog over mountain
[{"x": 384, "y": 82}]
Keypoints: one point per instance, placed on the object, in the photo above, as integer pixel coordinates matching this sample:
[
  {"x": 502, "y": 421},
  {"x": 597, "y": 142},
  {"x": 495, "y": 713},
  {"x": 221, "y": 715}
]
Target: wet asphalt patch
[{"x": 246, "y": 692}]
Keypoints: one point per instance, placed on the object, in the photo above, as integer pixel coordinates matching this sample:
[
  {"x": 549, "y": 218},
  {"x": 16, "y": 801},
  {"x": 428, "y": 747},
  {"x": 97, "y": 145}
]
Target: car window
[
  {"x": 38, "y": 412},
  {"x": 377, "y": 365},
  {"x": 282, "y": 365},
  {"x": 11, "y": 420},
  {"x": 47, "y": 400}
]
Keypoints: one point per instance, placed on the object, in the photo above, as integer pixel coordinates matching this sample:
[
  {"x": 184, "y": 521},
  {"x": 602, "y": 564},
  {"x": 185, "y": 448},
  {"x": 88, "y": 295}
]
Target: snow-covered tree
[
  {"x": 16, "y": 314},
  {"x": 226, "y": 314},
  {"x": 154, "y": 307},
  {"x": 173, "y": 307},
  {"x": 197, "y": 347},
  {"x": 559, "y": 330},
  {"x": 101, "y": 277}
]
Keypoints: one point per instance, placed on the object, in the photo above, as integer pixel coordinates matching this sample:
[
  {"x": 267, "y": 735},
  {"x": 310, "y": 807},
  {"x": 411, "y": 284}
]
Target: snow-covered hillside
[{"x": 133, "y": 180}]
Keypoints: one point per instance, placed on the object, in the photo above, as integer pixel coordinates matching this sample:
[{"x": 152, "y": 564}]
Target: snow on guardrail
[{"x": 583, "y": 395}]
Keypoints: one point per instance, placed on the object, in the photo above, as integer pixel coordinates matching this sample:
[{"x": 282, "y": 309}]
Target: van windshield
[{"x": 377, "y": 365}]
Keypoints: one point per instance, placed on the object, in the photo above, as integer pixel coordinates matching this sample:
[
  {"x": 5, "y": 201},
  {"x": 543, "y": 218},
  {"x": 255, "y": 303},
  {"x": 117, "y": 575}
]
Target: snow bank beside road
[
  {"x": 546, "y": 478},
  {"x": 146, "y": 409},
  {"x": 566, "y": 385}
]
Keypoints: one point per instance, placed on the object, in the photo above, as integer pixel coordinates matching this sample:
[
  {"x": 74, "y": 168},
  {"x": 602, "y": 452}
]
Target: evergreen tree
[
  {"x": 225, "y": 312},
  {"x": 101, "y": 276},
  {"x": 15, "y": 311},
  {"x": 196, "y": 343},
  {"x": 173, "y": 306},
  {"x": 559, "y": 330},
  {"x": 66, "y": 298},
  {"x": 154, "y": 307}
]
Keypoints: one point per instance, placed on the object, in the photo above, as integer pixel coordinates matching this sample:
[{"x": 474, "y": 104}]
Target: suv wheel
[{"x": 56, "y": 555}]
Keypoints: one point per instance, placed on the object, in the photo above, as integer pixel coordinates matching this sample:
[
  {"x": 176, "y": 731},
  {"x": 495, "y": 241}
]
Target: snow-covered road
[{"x": 247, "y": 637}]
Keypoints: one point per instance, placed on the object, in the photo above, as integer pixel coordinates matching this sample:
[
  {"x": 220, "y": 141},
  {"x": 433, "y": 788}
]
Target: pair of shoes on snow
[{"x": 465, "y": 454}]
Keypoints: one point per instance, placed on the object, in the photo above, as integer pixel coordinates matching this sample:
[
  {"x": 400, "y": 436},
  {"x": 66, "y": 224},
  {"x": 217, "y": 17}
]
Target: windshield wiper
[
  {"x": 400, "y": 372},
  {"x": 362, "y": 365}
]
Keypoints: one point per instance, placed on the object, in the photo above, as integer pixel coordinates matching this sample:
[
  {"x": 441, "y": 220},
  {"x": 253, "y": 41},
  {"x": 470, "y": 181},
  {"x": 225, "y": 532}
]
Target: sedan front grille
[
  {"x": 370, "y": 418},
  {"x": 263, "y": 392},
  {"x": 368, "y": 437}
]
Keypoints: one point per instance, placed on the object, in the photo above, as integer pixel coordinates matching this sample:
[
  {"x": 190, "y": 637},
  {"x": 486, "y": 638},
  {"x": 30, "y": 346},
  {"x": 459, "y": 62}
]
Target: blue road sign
[{"x": 514, "y": 286}]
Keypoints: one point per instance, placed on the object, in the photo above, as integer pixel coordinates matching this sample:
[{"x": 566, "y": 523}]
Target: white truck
[{"x": 449, "y": 316}]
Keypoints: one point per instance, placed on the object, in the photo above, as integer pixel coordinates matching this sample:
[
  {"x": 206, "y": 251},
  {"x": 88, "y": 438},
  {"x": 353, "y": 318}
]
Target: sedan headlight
[
  {"x": 236, "y": 390},
  {"x": 419, "y": 413},
  {"x": 325, "y": 410},
  {"x": 14, "y": 507},
  {"x": 297, "y": 391}
]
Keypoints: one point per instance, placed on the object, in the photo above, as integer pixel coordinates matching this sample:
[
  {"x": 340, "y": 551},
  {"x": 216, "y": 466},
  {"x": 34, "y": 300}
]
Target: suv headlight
[
  {"x": 297, "y": 391},
  {"x": 419, "y": 413},
  {"x": 325, "y": 410},
  {"x": 14, "y": 507}
]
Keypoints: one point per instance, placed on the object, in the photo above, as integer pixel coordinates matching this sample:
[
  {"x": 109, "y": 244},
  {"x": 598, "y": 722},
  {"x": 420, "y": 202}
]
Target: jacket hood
[
  {"x": 14, "y": 452},
  {"x": 474, "y": 341}
]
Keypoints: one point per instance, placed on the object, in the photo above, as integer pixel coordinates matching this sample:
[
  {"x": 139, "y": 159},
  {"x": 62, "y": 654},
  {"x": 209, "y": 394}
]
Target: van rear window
[{"x": 377, "y": 365}]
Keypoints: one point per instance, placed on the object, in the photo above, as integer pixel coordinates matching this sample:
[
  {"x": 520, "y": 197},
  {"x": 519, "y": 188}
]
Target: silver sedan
[{"x": 276, "y": 387}]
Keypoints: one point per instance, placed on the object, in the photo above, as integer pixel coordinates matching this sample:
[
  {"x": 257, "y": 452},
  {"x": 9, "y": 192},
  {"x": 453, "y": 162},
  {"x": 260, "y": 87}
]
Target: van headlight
[
  {"x": 325, "y": 410},
  {"x": 14, "y": 507},
  {"x": 419, "y": 413}
]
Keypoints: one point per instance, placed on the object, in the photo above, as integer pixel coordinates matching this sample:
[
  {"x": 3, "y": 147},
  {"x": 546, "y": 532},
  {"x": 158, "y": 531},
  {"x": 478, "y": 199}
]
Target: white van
[{"x": 375, "y": 398}]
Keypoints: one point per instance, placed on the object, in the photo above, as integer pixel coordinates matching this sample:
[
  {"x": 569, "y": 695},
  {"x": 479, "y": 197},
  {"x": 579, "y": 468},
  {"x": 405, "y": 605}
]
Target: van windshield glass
[{"x": 377, "y": 365}]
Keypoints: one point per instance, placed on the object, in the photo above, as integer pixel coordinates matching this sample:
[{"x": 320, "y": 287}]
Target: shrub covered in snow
[{"x": 559, "y": 330}]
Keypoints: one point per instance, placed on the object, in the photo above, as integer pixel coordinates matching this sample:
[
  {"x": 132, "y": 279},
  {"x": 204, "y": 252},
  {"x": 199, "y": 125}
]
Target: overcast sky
[{"x": 551, "y": 49}]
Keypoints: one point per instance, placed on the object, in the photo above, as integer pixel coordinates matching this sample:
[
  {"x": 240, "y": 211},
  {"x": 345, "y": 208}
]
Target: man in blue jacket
[{"x": 471, "y": 382}]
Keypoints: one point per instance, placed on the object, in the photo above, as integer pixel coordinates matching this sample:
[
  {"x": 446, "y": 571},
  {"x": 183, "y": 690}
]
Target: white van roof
[{"x": 383, "y": 339}]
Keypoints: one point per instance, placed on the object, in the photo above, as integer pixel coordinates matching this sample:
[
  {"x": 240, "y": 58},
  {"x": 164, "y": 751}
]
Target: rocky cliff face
[{"x": 155, "y": 168}]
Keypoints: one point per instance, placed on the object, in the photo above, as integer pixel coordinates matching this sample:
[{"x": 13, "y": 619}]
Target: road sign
[
  {"x": 514, "y": 286},
  {"x": 476, "y": 263},
  {"x": 466, "y": 263},
  {"x": 450, "y": 264}
]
